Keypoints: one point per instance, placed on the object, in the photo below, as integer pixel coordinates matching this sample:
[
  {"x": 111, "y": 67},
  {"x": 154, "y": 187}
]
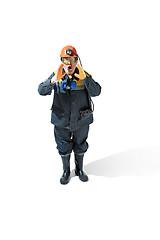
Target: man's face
[{"x": 69, "y": 64}]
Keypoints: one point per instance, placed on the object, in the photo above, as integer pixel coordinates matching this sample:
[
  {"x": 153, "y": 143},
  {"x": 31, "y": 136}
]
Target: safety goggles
[{"x": 67, "y": 60}]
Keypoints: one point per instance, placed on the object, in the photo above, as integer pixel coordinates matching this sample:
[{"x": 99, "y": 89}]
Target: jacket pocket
[{"x": 84, "y": 121}]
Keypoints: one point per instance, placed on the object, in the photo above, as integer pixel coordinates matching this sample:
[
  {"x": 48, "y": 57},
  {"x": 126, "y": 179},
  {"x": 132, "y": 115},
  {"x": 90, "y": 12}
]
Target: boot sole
[
  {"x": 83, "y": 180},
  {"x": 64, "y": 183}
]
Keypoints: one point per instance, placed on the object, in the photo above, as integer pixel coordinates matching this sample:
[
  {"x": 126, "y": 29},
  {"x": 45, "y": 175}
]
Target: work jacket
[{"x": 68, "y": 102}]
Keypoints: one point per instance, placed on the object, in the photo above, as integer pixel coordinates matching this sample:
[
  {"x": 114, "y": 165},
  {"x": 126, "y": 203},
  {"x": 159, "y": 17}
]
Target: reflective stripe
[{"x": 80, "y": 87}]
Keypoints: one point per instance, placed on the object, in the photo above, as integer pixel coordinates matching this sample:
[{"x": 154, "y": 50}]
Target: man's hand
[
  {"x": 81, "y": 74},
  {"x": 58, "y": 75}
]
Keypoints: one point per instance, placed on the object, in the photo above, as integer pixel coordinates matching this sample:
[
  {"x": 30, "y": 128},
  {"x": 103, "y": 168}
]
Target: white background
[{"x": 119, "y": 44}]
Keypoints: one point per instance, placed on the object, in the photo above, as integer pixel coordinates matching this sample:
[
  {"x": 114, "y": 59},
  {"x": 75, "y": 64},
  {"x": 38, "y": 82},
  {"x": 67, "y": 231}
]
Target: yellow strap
[{"x": 79, "y": 82}]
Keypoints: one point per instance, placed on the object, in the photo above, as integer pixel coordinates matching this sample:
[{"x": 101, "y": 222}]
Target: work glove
[
  {"x": 58, "y": 75},
  {"x": 81, "y": 74}
]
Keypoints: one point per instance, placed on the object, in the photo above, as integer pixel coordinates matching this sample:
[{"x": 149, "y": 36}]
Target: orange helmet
[{"x": 68, "y": 51}]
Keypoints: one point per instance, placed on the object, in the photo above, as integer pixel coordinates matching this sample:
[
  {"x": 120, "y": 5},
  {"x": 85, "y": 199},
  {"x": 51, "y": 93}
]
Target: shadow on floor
[{"x": 135, "y": 162}]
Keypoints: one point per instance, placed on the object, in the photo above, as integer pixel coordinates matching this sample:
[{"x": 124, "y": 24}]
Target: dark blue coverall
[{"x": 71, "y": 130}]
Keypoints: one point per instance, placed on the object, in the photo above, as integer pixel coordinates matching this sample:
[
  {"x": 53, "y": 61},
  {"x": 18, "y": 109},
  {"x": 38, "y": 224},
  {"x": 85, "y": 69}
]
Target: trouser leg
[
  {"x": 80, "y": 136},
  {"x": 63, "y": 140}
]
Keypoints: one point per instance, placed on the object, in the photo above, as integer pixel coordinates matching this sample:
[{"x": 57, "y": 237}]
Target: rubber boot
[
  {"x": 79, "y": 168},
  {"x": 66, "y": 169}
]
